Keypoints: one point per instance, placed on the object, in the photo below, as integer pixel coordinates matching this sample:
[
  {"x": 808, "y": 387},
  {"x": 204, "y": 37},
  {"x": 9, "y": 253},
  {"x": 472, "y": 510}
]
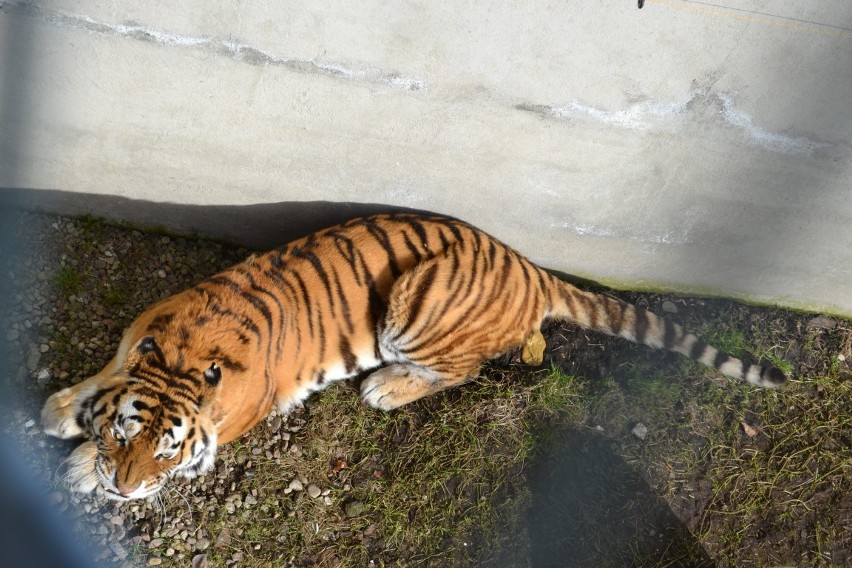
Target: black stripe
[
  {"x": 306, "y": 300},
  {"x": 720, "y": 359},
  {"x": 445, "y": 243},
  {"x": 412, "y": 248},
  {"x": 276, "y": 260},
  {"x": 349, "y": 358},
  {"x": 318, "y": 267},
  {"x": 346, "y": 248},
  {"x": 492, "y": 253},
  {"x": 344, "y": 301},
  {"x": 160, "y": 322},
  {"x": 262, "y": 290},
  {"x": 454, "y": 230},
  {"x": 239, "y": 318},
  {"x": 322, "y": 345},
  {"x": 698, "y": 349},
  {"x": 382, "y": 238},
  {"x": 671, "y": 331},
  {"x": 615, "y": 313},
  {"x": 259, "y": 304},
  {"x": 420, "y": 295},
  {"x": 418, "y": 228}
]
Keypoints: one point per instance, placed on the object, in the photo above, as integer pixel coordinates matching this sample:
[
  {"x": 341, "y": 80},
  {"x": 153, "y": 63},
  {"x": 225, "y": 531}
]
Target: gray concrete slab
[{"x": 691, "y": 146}]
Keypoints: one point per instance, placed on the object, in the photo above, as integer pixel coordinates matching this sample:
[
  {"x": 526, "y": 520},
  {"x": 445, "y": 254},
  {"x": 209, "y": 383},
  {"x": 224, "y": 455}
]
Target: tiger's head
[{"x": 147, "y": 423}]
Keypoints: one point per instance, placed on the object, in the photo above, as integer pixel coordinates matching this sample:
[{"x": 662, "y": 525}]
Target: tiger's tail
[{"x": 616, "y": 317}]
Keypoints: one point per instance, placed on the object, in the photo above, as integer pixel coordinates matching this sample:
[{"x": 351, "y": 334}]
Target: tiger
[{"x": 414, "y": 303}]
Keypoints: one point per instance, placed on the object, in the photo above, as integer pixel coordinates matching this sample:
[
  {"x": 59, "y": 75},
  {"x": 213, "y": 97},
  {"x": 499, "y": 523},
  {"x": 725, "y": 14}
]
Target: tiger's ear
[
  {"x": 213, "y": 375},
  {"x": 212, "y": 385},
  {"x": 146, "y": 346}
]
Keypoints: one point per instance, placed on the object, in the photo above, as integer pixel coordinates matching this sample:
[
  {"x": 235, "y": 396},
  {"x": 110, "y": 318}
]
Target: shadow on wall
[
  {"x": 591, "y": 509},
  {"x": 260, "y": 226}
]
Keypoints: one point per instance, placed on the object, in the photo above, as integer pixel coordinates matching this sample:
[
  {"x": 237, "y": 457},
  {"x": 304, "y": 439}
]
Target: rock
[
  {"x": 119, "y": 551},
  {"x": 33, "y": 357},
  {"x": 44, "y": 348},
  {"x": 43, "y": 378},
  {"x": 354, "y": 509},
  {"x": 12, "y": 335},
  {"x": 223, "y": 539},
  {"x": 314, "y": 491},
  {"x": 821, "y": 322},
  {"x": 250, "y": 499},
  {"x": 640, "y": 431},
  {"x": 161, "y": 273},
  {"x": 202, "y": 544},
  {"x": 669, "y": 307},
  {"x": 296, "y": 485},
  {"x": 155, "y": 561},
  {"x": 199, "y": 561}
]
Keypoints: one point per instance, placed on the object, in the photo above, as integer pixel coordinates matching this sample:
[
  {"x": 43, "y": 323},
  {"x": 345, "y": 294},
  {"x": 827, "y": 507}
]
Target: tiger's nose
[{"x": 126, "y": 489}]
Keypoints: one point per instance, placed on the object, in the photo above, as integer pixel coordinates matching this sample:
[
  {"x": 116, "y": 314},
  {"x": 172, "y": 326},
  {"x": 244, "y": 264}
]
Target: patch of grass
[
  {"x": 728, "y": 339},
  {"x": 785, "y": 478},
  {"x": 68, "y": 281},
  {"x": 91, "y": 226},
  {"x": 116, "y": 295}
]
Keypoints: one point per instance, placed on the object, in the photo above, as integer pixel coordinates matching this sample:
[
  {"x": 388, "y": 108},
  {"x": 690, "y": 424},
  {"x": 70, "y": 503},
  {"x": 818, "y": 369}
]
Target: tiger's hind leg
[
  {"x": 445, "y": 317},
  {"x": 395, "y": 385}
]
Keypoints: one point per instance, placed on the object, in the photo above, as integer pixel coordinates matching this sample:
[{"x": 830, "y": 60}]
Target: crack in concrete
[
  {"x": 228, "y": 48},
  {"x": 642, "y": 115}
]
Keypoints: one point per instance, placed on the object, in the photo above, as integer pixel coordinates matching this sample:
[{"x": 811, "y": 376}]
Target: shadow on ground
[{"x": 590, "y": 508}]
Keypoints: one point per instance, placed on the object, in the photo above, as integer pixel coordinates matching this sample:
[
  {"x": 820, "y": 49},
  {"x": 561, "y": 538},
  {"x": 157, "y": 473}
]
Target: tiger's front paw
[
  {"x": 81, "y": 473},
  {"x": 58, "y": 416},
  {"x": 393, "y": 386}
]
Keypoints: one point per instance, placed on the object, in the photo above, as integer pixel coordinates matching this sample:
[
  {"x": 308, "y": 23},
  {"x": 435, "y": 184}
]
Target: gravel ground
[{"x": 424, "y": 485}]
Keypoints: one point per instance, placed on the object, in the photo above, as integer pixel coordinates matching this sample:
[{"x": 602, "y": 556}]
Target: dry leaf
[
  {"x": 341, "y": 464},
  {"x": 748, "y": 429}
]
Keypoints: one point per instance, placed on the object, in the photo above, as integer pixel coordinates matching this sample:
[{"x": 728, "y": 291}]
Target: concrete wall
[{"x": 685, "y": 145}]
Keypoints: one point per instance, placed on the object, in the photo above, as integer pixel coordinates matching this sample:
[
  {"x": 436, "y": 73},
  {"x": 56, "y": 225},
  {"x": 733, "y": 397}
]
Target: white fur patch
[{"x": 81, "y": 475}]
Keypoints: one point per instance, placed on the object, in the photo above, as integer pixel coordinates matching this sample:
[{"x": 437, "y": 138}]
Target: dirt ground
[{"x": 608, "y": 454}]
